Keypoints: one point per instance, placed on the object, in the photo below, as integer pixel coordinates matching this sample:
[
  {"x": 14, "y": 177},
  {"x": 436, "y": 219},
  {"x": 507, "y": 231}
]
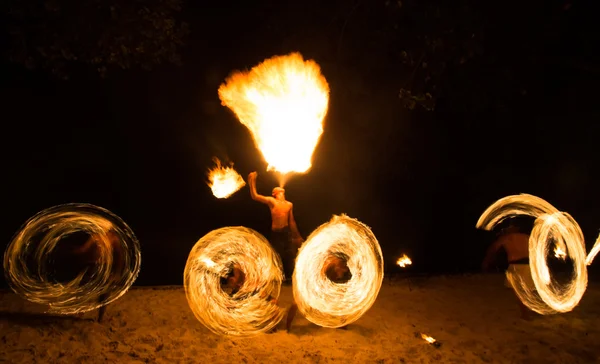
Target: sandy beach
[{"x": 473, "y": 317}]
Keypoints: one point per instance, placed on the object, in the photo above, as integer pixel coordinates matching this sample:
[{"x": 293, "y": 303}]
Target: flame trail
[
  {"x": 39, "y": 238},
  {"x": 247, "y": 312},
  {"x": 330, "y": 304},
  {"x": 283, "y": 102},
  {"x": 224, "y": 181}
]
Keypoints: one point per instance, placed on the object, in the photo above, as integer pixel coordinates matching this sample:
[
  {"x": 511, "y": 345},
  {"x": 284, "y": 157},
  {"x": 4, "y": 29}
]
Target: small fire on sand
[
  {"x": 224, "y": 181},
  {"x": 403, "y": 261},
  {"x": 429, "y": 339}
]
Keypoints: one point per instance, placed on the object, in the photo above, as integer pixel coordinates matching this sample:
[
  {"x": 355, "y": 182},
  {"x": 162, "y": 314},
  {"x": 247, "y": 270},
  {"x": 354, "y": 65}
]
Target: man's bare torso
[
  {"x": 516, "y": 246},
  {"x": 280, "y": 214}
]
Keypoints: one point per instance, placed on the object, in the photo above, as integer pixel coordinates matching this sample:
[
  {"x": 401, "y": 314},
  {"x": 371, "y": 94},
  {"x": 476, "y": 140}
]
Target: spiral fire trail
[
  {"x": 29, "y": 258},
  {"x": 330, "y": 304},
  {"x": 542, "y": 294},
  {"x": 251, "y": 310}
]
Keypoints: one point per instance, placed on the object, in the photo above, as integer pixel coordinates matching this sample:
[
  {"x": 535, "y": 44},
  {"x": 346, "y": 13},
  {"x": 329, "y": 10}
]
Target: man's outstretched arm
[{"x": 252, "y": 185}]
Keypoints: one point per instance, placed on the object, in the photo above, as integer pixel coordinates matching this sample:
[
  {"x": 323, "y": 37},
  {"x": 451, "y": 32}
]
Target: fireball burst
[
  {"x": 283, "y": 102},
  {"x": 224, "y": 181}
]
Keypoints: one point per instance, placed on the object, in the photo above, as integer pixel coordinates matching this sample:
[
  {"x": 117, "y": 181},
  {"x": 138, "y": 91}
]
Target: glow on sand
[
  {"x": 542, "y": 294},
  {"x": 27, "y": 264},
  {"x": 251, "y": 310},
  {"x": 283, "y": 102},
  {"x": 330, "y": 304},
  {"x": 224, "y": 181}
]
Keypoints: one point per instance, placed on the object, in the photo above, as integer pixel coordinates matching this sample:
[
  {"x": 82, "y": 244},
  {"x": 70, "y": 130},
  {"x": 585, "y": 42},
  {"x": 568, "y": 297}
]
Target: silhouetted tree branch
[{"x": 103, "y": 34}]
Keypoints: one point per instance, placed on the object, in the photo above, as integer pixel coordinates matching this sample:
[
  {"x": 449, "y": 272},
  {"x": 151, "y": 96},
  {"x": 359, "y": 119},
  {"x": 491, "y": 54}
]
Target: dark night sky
[{"x": 140, "y": 143}]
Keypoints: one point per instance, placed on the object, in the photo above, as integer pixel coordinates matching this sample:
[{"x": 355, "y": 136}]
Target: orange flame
[
  {"x": 403, "y": 261},
  {"x": 559, "y": 253},
  {"x": 283, "y": 102},
  {"x": 224, "y": 181}
]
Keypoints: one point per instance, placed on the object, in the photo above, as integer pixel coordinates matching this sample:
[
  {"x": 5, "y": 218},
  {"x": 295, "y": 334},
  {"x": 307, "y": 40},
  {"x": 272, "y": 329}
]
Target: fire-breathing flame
[
  {"x": 403, "y": 261},
  {"x": 559, "y": 253},
  {"x": 283, "y": 102},
  {"x": 224, "y": 181}
]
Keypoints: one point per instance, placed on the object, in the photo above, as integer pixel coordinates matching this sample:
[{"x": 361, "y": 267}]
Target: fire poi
[
  {"x": 545, "y": 295},
  {"x": 283, "y": 102},
  {"x": 252, "y": 309},
  {"x": 330, "y": 304},
  {"x": 42, "y": 236},
  {"x": 224, "y": 181}
]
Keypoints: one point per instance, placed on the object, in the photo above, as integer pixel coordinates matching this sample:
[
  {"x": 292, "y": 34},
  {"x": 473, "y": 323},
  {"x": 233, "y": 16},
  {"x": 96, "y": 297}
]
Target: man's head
[{"x": 278, "y": 193}]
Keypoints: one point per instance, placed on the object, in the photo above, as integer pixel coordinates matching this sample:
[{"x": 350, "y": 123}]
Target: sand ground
[{"x": 474, "y": 317}]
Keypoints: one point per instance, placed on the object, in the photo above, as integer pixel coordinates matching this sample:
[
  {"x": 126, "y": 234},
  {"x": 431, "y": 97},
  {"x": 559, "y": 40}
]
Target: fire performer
[
  {"x": 516, "y": 245},
  {"x": 91, "y": 253},
  {"x": 285, "y": 237}
]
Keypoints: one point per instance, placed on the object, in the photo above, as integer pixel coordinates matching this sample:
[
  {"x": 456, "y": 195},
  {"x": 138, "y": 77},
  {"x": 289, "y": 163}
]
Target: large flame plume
[
  {"x": 330, "y": 304},
  {"x": 540, "y": 292},
  {"x": 252, "y": 309},
  {"x": 27, "y": 259},
  {"x": 283, "y": 102},
  {"x": 224, "y": 181}
]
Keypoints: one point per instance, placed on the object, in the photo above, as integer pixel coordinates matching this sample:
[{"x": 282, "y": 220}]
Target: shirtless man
[
  {"x": 285, "y": 237},
  {"x": 337, "y": 271},
  {"x": 516, "y": 245},
  {"x": 90, "y": 252}
]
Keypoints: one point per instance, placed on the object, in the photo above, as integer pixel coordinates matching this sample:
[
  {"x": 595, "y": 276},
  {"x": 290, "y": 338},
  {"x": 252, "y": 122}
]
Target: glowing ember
[
  {"x": 403, "y": 261},
  {"x": 283, "y": 102},
  {"x": 330, "y": 304},
  {"x": 540, "y": 293},
  {"x": 224, "y": 181},
  {"x": 559, "y": 253}
]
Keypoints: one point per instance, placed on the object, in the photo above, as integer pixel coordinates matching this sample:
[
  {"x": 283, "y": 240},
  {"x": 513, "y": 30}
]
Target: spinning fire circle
[
  {"x": 539, "y": 291},
  {"x": 110, "y": 261},
  {"x": 253, "y": 308},
  {"x": 323, "y": 301}
]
